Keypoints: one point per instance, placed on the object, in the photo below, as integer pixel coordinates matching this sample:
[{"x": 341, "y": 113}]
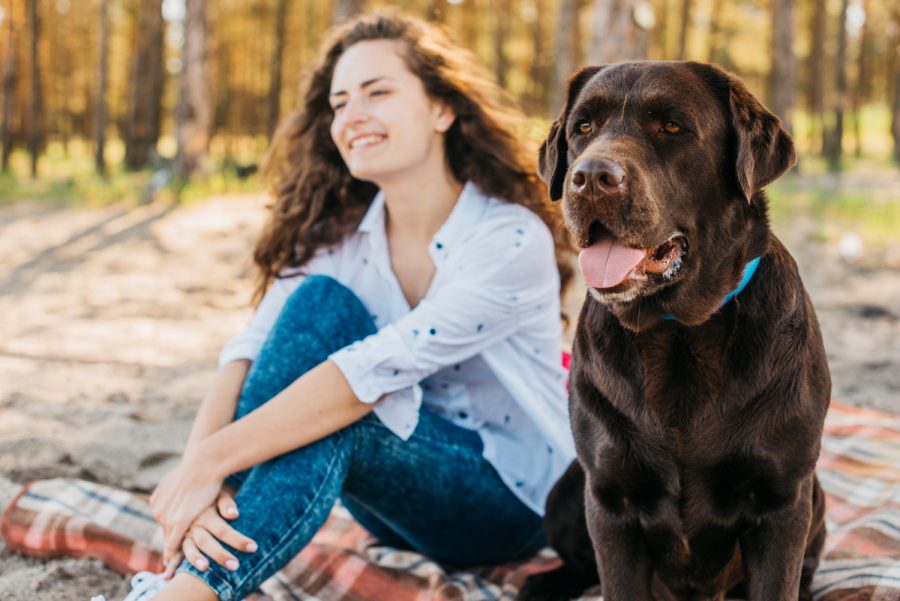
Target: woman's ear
[{"x": 444, "y": 116}]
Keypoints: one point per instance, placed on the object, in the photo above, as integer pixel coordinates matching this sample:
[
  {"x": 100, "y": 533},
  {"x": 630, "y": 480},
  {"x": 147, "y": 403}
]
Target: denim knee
[
  {"x": 305, "y": 482},
  {"x": 324, "y": 306}
]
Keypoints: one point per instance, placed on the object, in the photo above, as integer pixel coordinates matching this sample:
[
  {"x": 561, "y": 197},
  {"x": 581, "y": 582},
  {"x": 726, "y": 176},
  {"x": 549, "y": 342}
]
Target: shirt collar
[
  {"x": 374, "y": 214},
  {"x": 465, "y": 214}
]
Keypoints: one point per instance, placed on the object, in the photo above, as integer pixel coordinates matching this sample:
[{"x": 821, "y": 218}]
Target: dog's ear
[
  {"x": 553, "y": 157},
  {"x": 764, "y": 149}
]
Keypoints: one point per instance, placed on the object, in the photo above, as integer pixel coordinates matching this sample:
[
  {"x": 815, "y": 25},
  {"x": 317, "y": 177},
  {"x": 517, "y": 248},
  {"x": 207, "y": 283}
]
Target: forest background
[
  {"x": 126, "y": 88},
  {"x": 130, "y": 135}
]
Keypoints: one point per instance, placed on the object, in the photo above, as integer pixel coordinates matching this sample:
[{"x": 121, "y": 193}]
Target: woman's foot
[{"x": 144, "y": 586}]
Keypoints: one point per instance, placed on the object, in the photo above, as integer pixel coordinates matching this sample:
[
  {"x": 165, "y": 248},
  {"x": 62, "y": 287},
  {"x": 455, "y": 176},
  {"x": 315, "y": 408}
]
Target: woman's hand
[
  {"x": 205, "y": 533},
  {"x": 181, "y": 497}
]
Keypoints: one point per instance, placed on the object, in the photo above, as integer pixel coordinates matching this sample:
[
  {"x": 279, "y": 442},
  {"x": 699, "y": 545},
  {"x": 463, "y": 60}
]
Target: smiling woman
[
  {"x": 404, "y": 356},
  {"x": 373, "y": 115}
]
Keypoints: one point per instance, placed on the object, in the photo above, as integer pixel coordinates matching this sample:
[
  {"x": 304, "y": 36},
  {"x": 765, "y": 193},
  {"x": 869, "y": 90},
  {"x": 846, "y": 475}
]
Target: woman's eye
[
  {"x": 379, "y": 92},
  {"x": 584, "y": 127},
  {"x": 335, "y": 108},
  {"x": 671, "y": 127}
]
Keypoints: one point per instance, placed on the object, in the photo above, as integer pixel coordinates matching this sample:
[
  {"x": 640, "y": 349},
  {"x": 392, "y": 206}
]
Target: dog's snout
[{"x": 593, "y": 174}]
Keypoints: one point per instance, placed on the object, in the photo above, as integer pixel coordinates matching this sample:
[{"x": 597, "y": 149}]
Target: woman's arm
[
  {"x": 315, "y": 405},
  {"x": 218, "y": 406}
]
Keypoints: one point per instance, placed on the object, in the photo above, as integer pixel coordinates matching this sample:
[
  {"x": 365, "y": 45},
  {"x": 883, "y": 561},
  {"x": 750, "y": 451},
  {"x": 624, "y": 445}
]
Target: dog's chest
[
  {"x": 657, "y": 420},
  {"x": 674, "y": 480},
  {"x": 690, "y": 515}
]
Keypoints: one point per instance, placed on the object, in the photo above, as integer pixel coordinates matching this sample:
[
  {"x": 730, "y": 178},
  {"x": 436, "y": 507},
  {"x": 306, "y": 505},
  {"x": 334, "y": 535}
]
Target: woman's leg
[
  {"x": 319, "y": 318},
  {"x": 437, "y": 494},
  {"x": 284, "y": 501},
  {"x": 433, "y": 492}
]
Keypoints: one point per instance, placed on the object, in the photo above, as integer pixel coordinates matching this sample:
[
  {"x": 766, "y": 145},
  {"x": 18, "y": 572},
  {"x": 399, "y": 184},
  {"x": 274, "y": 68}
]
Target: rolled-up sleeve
[{"x": 505, "y": 269}]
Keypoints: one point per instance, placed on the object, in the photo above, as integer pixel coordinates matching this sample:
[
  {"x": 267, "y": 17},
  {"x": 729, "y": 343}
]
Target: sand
[{"x": 111, "y": 321}]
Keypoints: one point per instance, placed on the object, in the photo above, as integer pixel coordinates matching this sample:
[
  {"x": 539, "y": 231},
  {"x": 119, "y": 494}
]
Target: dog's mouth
[{"x": 606, "y": 262}]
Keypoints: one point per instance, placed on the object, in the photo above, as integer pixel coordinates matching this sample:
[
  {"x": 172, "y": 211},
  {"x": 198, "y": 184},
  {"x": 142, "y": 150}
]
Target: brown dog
[{"x": 698, "y": 387}]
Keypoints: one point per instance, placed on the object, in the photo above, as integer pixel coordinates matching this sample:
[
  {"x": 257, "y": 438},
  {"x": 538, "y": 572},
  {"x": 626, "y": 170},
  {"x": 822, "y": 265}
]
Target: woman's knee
[{"x": 324, "y": 306}]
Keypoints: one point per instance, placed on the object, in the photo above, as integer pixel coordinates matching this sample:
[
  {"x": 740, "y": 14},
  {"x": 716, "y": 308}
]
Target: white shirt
[{"x": 482, "y": 348}]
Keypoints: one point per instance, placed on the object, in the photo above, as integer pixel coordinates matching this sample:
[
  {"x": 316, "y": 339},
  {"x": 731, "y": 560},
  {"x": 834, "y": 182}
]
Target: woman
[{"x": 405, "y": 354}]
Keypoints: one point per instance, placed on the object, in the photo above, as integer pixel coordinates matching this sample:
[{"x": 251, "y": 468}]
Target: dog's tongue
[{"x": 605, "y": 263}]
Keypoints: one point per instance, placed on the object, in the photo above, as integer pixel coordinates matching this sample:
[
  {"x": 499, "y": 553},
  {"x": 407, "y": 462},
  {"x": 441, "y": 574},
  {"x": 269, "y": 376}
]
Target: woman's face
[{"x": 384, "y": 124}]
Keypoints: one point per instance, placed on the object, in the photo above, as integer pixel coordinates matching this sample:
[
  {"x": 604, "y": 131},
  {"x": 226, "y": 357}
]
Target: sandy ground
[{"x": 110, "y": 323}]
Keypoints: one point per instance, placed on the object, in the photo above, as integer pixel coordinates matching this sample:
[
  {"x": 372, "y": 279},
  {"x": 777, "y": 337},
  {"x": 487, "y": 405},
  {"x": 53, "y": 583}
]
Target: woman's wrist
[{"x": 210, "y": 455}]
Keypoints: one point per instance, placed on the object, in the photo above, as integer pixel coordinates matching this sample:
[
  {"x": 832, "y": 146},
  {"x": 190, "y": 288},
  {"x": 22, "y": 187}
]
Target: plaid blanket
[{"x": 859, "y": 469}]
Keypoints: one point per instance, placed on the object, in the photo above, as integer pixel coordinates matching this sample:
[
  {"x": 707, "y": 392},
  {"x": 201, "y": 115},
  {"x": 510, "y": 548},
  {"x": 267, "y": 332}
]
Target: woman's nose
[{"x": 354, "y": 112}]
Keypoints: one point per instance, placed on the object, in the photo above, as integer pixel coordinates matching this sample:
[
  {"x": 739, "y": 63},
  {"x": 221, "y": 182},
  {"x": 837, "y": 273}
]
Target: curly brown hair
[{"x": 316, "y": 200}]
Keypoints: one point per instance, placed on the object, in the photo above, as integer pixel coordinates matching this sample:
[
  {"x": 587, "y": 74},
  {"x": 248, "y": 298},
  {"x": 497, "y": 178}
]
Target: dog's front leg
[
  {"x": 773, "y": 550},
  {"x": 625, "y": 569}
]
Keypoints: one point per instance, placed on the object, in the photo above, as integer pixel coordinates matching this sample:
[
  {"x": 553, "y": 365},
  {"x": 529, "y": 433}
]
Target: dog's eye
[
  {"x": 584, "y": 127},
  {"x": 671, "y": 127}
]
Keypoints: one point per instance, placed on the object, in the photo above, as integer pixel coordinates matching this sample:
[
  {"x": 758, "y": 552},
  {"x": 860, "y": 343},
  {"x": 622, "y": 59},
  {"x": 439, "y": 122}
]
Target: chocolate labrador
[{"x": 699, "y": 381}]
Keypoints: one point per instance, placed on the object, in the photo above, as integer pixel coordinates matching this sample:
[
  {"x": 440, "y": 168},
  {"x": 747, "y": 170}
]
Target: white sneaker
[{"x": 144, "y": 586}]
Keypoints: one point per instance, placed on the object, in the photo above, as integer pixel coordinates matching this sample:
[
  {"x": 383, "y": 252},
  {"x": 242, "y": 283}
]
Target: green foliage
[
  {"x": 67, "y": 176},
  {"x": 874, "y": 143},
  {"x": 864, "y": 205},
  {"x": 69, "y": 180}
]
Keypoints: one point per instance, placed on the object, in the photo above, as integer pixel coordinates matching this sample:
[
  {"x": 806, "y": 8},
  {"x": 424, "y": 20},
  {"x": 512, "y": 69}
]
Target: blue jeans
[{"x": 433, "y": 493}]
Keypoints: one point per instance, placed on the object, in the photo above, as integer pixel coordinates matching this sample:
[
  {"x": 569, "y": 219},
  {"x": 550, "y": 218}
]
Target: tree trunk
[
  {"x": 37, "y": 99},
  {"x": 435, "y": 11},
  {"x": 685, "y": 27},
  {"x": 9, "y": 89},
  {"x": 142, "y": 126},
  {"x": 712, "y": 52},
  {"x": 64, "y": 65},
  {"x": 894, "y": 46},
  {"x": 815, "y": 91},
  {"x": 568, "y": 38},
  {"x": 277, "y": 60},
  {"x": 895, "y": 119},
  {"x": 471, "y": 25},
  {"x": 834, "y": 138},
  {"x": 345, "y": 9},
  {"x": 502, "y": 14},
  {"x": 100, "y": 98},
  {"x": 616, "y": 36},
  {"x": 862, "y": 89},
  {"x": 660, "y": 36},
  {"x": 782, "y": 79},
  {"x": 540, "y": 65},
  {"x": 194, "y": 111}
]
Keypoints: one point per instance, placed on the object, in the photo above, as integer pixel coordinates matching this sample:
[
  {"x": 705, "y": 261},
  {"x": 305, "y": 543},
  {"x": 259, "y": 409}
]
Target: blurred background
[
  {"x": 111, "y": 100},
  {"x": 130, "y": 136},
  {"x": 117, "y": 117}
]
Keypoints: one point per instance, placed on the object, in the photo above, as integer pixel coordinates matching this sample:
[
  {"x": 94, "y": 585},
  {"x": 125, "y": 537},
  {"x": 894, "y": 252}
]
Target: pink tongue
[{"x": 605, "y": 263}]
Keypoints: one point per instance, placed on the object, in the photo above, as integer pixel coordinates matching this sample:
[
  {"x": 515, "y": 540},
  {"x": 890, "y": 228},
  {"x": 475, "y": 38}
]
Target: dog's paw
[
  {"x": 556, "y": 585},
  {"x": 538, "y": 587}
]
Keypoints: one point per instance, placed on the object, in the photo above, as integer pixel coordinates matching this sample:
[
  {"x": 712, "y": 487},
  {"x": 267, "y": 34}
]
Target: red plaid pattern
[{"x": 859, "y": 470}]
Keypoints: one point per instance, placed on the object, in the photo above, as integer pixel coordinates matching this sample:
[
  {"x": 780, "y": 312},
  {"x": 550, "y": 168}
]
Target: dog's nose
[{"x": 597, "y": 175}]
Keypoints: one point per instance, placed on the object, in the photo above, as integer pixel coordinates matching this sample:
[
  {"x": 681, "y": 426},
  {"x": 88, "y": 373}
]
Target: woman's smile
[{"x": 363, "y": 141}]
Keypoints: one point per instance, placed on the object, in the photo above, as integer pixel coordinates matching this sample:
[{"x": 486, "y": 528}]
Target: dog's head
[{"x": 661, "y": 167}]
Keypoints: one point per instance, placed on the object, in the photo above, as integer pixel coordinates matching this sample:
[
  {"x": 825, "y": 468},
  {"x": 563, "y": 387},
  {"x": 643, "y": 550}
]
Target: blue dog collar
[{"x": 749, "y": 270}]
